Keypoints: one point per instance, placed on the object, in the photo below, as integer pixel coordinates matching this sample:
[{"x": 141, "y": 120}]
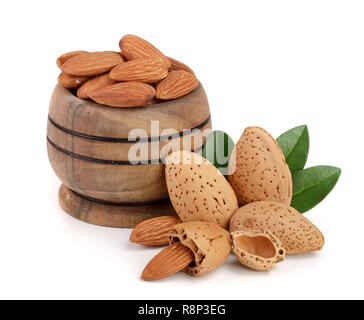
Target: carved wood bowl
[{"x": 89, "y": 150}]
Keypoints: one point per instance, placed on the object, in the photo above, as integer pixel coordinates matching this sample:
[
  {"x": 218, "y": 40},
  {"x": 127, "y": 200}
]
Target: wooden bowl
[{"x": 88, "y": 149}]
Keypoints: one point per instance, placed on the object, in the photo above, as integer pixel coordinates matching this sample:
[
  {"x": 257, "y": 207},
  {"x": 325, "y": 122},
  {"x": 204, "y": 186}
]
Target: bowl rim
[
  {"x": 185, "y": 118},
  {"x": 69, "y": 93}
]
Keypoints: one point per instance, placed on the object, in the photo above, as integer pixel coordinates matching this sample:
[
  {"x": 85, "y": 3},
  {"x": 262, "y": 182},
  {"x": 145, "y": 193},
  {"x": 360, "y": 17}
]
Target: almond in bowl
[
  {"x": 103, "y": 97},
  {"x": 113, "y": 176},
  {"x": 138, "y": 61}
]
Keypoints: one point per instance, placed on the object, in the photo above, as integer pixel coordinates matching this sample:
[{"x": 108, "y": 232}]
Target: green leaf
[
  {"x": 312, "y": 185},
  {"x": 217, "y": 150},
  {"x": 295, "y": 144}
]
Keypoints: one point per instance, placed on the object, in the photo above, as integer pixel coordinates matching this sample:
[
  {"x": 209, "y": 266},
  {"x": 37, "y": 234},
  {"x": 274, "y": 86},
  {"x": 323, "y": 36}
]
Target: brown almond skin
[
  {"x": 117, "y": 52},
  {"x": 170, "y": 260},
  {"x": 94, "y": 84},
  {"x": 154, "y": 232},
  {"x": 143, "y": 70},
  {"x": 178, "y": 65},
  {"x": 261, "y": 171},
  {"x": 134, "y": 48},
  {"x": 68, "y": 81},
  {"x": 177, "y": 84},
  {"x": 91, "y": 64},
  {"x": 125, "y": 94},
  {"x": 297, "y": 234},
  {"x": 68, "y": 55}
]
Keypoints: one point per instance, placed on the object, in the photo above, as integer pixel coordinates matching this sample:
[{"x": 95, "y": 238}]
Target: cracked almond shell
[
  {"x": 209, "y": 243},
  {"x": 197, "y": 189},
  {"x": 261, "y": 171},
  {"x": 297, "y": 234},
  {"x": 258, "y": 250}
]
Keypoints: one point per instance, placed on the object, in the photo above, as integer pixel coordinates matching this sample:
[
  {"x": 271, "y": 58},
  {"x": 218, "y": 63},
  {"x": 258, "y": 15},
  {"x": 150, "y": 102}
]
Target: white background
[{"x": 276, "y": 64}]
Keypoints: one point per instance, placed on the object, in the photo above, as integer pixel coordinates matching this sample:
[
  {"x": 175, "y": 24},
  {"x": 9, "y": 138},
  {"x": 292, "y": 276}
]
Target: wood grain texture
[
  {"x": 116, "y": 151},
  {"x": 93, "y": 119},
  {"x": 94, "y": 167},
  {"x": 115, "y": 183},
  {"x": 108, "y": 215}
]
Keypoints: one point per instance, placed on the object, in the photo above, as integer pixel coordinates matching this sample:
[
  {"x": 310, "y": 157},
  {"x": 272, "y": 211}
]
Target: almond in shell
[
  {"x": 125, "y": 94},
  {"x": 94, "y": 84},
  {"x": 143, "y": 70},
  {"x": 197, "y": 189},
  {"x": 195, "y": 247},
  {"x": 261, "y": 171},
  {"x": 177, "y": 84},
  {"x": 91, "y": 64},
  {"x": 209, "y": 242},
  {"x": 297, "y": 234}
]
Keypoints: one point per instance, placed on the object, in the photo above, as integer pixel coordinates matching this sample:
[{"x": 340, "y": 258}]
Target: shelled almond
[
  {"x": 124, "y": 94},
  {"x": 155, "y": 231},
  {"x": 143, "y": 70},
  {"x": 94, "y": 84},
  {"x": 68, "y": 55},
  {"x": 68, "y": 81},
  {"x": 137, "y": 62},
  {"x": 177, "y": 84}
]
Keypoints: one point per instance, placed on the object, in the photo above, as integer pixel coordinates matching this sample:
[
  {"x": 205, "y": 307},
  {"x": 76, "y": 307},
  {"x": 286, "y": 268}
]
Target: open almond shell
[
  {"x": 297, "y": 234},
  {"x": 210, "y": 244},
  {"x": 258, "y": 250}
]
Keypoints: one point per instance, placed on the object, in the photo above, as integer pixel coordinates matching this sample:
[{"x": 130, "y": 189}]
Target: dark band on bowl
[
  {"x": 125, "y": 140},
  {"x": 121, "y": 204},
  {"x": 112, "y": 162}
]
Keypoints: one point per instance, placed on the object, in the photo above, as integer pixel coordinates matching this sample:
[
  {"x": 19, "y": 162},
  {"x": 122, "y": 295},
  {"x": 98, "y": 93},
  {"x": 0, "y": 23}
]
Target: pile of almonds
[
  {"x": 138, "y": 75},
  {"x": 249, "y": 213}
]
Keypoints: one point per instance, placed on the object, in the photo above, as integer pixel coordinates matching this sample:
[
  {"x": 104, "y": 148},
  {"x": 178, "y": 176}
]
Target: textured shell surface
[
  {"x": 261, "y": 172},
  {"x": 258, "y": 250},
  {"x": 210, "y": 243},
  {"x": 197, "y": 189},
  {"x": 297, "y": 234}
]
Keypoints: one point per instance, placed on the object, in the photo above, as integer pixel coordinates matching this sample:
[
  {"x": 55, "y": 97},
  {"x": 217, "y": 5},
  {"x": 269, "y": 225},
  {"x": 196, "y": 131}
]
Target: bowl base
[{"x": 111, "y": 215}]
